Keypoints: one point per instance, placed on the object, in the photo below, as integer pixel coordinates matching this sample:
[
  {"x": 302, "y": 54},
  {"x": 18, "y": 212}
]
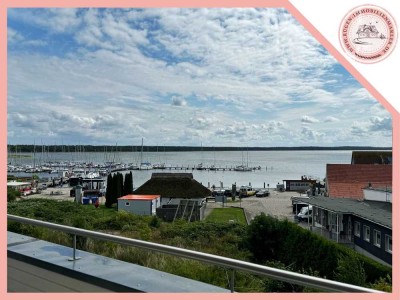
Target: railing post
[
  {"x": 74, "y": 257},
  {"x": 232, "y": 281}
]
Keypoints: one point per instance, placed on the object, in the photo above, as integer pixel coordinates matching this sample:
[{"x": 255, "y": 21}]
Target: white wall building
[
  {"x": 378, "y": 194},
  {"x": 139, "y": 204}
]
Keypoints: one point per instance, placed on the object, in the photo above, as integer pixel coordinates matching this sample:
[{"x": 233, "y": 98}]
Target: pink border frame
[{"x": 193, "y": 3}]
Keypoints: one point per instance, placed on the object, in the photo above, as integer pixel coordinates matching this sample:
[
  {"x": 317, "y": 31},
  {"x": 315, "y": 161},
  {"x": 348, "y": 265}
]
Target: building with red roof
[
  {"x": 139, "y": 204},
  {"x": 349, "y": 180}
]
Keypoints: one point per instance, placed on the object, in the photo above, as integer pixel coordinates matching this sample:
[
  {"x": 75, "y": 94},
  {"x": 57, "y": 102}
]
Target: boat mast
[{"x": 141, "y": 154}]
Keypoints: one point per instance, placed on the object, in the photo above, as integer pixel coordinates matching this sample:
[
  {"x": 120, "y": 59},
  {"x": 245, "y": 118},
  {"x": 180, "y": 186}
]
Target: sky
[{"x": 184, "y": 77}]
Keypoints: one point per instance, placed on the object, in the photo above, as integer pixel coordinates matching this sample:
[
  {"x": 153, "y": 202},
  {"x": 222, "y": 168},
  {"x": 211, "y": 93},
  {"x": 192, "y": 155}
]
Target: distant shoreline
[{"x": 107, "y": 148}]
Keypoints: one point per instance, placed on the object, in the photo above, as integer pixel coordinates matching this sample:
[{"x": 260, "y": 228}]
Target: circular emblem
[{"x": 368, "y": 33}]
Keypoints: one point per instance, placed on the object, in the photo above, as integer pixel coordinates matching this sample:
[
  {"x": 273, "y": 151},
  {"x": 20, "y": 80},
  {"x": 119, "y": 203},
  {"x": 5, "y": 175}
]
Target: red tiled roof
[
  {"x": 139, "y": 197},
  {"x": 347, "y": 181}
]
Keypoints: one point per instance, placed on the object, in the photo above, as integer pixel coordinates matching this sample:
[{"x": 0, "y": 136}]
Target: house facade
[
  {"x": 365, "y": 226},
  {"x": 372, "y": 239},
  {"x": 298, "y": 185},
  {"x": 144, "y": 205},
  {"x": 357, "y": 207}
]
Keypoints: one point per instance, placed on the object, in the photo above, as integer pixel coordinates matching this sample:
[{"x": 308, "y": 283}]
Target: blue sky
[{"x": 216, "y": 77}]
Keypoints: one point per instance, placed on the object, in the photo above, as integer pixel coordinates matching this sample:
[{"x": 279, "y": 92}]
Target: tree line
[{"x": 15, "y": 149}]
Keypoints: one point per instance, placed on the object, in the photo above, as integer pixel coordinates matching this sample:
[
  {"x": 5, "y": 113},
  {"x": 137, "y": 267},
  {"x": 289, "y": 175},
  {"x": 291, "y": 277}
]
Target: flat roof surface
[
  {"x": 379, "y": 189},
  {"x": 100, "y": 270},
  {"x": 16, "y": 183},
  {"x": 375, "y": 211},
  {"x": 139, "y": 197}
]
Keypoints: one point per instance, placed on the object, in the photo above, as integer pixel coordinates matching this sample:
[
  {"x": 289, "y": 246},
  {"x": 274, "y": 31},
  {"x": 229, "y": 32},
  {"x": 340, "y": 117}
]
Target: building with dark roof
[
  {"x": 181, "y": 195},
  {"x": 365, "y": 226},
  {"x": 371, "y": 157}
]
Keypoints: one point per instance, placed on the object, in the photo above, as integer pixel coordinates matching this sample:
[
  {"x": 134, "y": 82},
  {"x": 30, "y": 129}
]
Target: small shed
[
  {"x": 299, "y": 185},
  {"x": 139, "y": 204},
  {"x": 19, "y": 186}
]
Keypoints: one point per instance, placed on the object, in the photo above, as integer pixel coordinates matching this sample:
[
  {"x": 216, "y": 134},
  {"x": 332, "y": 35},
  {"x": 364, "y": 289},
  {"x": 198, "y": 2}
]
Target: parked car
[
  {"x": 305, "y": 213},
  {"x": 217, "y": 192},
  {"x": 246, "y": 191},
  {"x": 262, "y": 193}
]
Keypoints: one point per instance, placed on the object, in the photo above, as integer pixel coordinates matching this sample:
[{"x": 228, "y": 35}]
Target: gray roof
[{"x": 374, "y": 211}]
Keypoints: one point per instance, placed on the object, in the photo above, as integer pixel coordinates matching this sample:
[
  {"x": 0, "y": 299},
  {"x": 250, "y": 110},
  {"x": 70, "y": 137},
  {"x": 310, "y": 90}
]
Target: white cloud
[
  {"x": 246, "y": 73},
  {"x": 309, "y": 120},
  {"x": 330, "y": 119},
  {"x": 13, "y": 36},
  {"x": 381, "y": 124}
]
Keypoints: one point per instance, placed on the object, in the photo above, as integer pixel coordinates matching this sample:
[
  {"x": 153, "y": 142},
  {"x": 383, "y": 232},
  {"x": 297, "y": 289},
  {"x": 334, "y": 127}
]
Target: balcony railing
[{"x": 228, "y": 263}]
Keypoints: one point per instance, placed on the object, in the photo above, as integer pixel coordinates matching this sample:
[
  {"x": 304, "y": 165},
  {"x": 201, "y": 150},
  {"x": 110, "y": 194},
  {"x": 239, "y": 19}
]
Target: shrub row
[{"x": 270, "y": 239}]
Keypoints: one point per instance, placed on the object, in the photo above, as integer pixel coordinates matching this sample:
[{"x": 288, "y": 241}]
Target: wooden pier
[{"x": 187, "y": 168}]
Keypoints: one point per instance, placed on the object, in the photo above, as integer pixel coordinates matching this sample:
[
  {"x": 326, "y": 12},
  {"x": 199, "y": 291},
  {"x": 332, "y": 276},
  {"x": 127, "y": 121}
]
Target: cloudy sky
[{"x": 216, "y": 77}]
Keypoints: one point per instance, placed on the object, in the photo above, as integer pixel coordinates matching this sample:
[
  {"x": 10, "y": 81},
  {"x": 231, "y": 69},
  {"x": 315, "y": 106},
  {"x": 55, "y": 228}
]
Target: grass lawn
[{"x": 225, "y": 214}]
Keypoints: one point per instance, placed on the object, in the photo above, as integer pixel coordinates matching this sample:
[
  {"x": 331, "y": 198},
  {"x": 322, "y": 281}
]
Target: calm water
[{"x": 275, "y": 165}]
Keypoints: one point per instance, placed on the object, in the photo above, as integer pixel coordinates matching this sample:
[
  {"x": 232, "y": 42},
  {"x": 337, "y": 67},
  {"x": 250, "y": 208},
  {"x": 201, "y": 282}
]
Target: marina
[{"x": 218, "y": 168}]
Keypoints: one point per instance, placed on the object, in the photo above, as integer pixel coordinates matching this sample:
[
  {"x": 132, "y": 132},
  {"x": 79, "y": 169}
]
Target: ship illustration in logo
[{"x": 365, "y": 33}]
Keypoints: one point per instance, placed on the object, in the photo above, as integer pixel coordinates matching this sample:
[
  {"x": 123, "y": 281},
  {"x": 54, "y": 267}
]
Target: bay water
[{"x": 275, "y": 166}]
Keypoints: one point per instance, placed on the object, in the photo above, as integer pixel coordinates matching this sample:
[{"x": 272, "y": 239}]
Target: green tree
[
  {"x": 264, "y": 238},
  {"x": 109, "y": 191},
  {"x": 119, "y": 186},
  {"x": 350, "y": 270},
  {"x": 128, "y": 184}
]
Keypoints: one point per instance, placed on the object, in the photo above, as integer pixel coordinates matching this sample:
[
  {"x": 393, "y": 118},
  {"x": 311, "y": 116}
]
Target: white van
[{"x": 305, "y": 213}]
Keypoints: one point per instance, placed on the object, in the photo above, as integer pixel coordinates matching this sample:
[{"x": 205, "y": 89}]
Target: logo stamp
[{"x": 368, "y": 34}]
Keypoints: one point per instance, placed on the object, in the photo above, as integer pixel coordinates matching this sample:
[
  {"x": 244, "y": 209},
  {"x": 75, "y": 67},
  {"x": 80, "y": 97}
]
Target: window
[
  {"x": 357, "y": 229},
  {"x": 388, "y": 243},
  {"x": 377, "y": 238},
  {"x": 366, "y": 233},
  {"x": 127, "y": 204}
]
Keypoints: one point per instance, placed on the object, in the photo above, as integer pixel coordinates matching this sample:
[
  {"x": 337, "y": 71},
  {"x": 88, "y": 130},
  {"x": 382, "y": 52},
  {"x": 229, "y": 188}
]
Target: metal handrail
[{"x": 232, "y": 264}]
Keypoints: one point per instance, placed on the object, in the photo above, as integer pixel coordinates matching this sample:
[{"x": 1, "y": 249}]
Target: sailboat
[
  {"x": 144, "y": 165},
  {"x": 200, "y": 165},
  {"x": 243, "y": 167},
  {"x": 160, "y": 165},
  {"x": 213, "y": 167},
  {"x": 133, "y": 166}
]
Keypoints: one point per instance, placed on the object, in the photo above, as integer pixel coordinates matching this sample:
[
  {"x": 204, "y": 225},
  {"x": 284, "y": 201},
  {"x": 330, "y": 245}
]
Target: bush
[
  {"x": 350, "y": 270},
  {"x": 264, "y": 238},
  {"x": 12, "y": 194},
  {"x": 271, "y": 239},
  {"x": 383, "y": 284},
  {"x": 155, "y": 222}
]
